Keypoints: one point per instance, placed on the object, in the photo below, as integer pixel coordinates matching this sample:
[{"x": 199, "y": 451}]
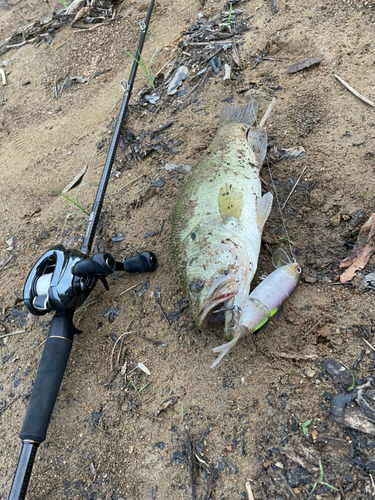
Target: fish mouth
[{"x": 211, "y": 314}]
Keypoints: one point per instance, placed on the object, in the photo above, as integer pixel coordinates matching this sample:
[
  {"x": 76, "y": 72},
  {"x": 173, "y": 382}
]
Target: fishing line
[
  {"x": 268, "y": 165},
  {"x": 281, "y": 213}
]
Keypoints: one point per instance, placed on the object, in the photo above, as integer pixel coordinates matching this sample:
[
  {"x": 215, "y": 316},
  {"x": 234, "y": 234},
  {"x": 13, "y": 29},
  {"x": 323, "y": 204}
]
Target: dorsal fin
[
  {"x": 240, "y": 114},
  {"x": 230, "y": 202}
]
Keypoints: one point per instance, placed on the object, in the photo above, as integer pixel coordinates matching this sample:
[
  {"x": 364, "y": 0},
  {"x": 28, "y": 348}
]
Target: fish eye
[
  {"x": 196, "y": 285},
  {"x": 298, "y": 270}
]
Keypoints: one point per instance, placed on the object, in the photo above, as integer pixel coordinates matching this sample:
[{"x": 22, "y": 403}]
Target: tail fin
[{"x": 240, "y": 114}]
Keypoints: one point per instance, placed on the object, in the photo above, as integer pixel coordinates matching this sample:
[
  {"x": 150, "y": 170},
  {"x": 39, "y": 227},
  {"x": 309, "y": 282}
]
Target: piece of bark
[
  {"x": 308, "y": 458},
  {"x": 355, "y": 419},
  {"x": 308, "y": 63},
  {"x": 361, "y": 252},
  {"x": 235, "y": 54},
  {"x": 74, "y": 182}
]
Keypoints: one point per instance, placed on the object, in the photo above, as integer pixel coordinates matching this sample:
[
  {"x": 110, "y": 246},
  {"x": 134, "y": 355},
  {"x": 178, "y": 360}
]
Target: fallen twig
[
  {"x": 131, "y": 287},
  {"x": 368, "y": 343},
  {"x": 55, "y": 89},
  {"x": 269, "y": 58},
  {"x": 13, "y": 333},
  {"x": 249, "y": 490},
  {"x": 7, "y": 262},
  {"x": 235, "y": 54},
  {"x": 118, "y": 340},
  {"x": 3, "y": 77},
  {"x": 354, "y": 91},
  {"x": 372, "y": 484},
  {"x": 294, "y": 187},
  {"x": 162, "y": 312},
  {"x": 210, "y": 481},
  {"x": 267, "y": 113}
]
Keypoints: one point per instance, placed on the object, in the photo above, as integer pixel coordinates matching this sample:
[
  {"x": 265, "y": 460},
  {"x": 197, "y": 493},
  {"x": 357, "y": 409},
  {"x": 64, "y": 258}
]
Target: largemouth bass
[{"x": 218, "y": 221}]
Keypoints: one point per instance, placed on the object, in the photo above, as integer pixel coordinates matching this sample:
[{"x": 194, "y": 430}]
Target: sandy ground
[{"x": 104, "y": 441}]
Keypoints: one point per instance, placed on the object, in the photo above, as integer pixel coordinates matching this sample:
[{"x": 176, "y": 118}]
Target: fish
[
  {"x": 218, "y": 221},
  {"x": 263, "y": 303}
]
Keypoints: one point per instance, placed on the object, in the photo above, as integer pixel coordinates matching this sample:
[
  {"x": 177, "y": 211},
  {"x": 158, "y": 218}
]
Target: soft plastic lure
[{"x": 264, "y": 301}]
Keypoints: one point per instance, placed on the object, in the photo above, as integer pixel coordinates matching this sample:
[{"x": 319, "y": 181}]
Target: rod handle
[{"x": 48, "y": 378}]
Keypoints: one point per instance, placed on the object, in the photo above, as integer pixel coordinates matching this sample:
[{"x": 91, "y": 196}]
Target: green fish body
[{"x": 218, "y": 221}]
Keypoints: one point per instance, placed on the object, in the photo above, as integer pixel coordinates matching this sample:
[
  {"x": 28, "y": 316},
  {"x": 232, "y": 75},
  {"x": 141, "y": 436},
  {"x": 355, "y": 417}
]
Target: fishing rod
[{"x": 60, "y": 282}]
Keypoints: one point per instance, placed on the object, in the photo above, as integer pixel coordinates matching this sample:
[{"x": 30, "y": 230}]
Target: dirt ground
[{"x": 126, "y": 436}]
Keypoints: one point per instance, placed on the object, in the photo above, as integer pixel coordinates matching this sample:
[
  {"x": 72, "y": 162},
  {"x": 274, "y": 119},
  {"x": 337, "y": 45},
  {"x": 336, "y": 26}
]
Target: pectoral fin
[
  {"x": 230, "y": 202},
  {"x": 263, "y": 209}
]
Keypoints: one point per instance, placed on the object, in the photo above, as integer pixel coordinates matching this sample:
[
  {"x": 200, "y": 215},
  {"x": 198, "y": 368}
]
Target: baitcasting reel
[{"x": 62, "y": 279}]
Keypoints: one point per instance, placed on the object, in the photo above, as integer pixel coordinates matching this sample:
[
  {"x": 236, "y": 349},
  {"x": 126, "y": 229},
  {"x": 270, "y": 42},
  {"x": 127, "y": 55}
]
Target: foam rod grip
[{"x": 48, "y": 378}]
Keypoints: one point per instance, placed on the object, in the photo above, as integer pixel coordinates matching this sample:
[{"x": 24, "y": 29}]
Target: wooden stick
[
  {"x": 354, "y": 91},
  {"x": 294, "y": 187},
  {"x": 267, "y": 113},
  {"x": 249, "y": 490},
  {"x": 13, "y": 333},
  {"x": 235, "y": 54},
  {"x": 269, "y": 58},
  {"x": 4, "y": 77},
  {"x": 131, "y": 287},
  {"x": 368, "y": 343},
  {"x": 227, "y": 69}
]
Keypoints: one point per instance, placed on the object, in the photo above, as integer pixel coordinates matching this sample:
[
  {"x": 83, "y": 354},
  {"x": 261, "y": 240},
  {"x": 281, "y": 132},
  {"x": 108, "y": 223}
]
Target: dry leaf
[
  {"x": 83, "y": 13},
  {"x": 362, "y": 251}
]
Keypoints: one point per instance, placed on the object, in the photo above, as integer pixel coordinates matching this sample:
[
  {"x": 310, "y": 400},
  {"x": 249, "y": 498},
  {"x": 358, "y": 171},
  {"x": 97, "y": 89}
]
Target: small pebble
[
  {"x": 216, "y": 64},
  {"x": 158, "y": 183},
  {"x": 339, "y": 403},
  {"x": 310, "y": 373}
]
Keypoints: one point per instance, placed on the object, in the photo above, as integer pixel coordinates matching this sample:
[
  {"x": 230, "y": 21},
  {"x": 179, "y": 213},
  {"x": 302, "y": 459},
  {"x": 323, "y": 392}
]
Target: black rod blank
[{"x": 98, "y": 203}]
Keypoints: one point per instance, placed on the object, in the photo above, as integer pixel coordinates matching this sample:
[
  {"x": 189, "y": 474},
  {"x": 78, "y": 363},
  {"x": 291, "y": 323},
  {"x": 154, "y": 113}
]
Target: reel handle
[
  {"x": 145, "y": 262},
  {"x": 100, "y": 264}
]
